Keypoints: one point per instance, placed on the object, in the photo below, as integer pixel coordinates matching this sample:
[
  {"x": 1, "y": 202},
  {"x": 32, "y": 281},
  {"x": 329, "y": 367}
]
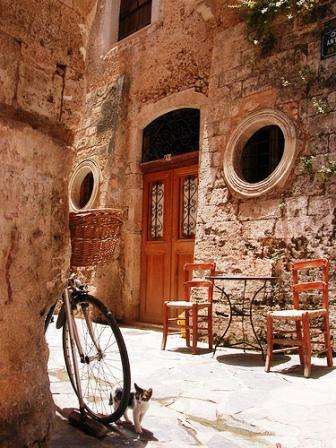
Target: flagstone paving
[{"x": 225, "y": 401}]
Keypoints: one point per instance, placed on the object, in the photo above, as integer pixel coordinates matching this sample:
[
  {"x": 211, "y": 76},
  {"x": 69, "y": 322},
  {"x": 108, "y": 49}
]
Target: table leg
[
  {"x": 243, "y": 314},
  {"x": 221, "y": 338},
  {"x": 263, "y": 287}
]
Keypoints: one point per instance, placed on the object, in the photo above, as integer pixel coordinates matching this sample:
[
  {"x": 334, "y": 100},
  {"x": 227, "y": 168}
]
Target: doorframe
[
  {"x": 138, "y": 120},
  {"x": 186, "y": 159}
]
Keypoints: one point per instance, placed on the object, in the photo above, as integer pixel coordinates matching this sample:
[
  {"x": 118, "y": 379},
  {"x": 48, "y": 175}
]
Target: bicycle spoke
[{"x": 104, "y": 360}]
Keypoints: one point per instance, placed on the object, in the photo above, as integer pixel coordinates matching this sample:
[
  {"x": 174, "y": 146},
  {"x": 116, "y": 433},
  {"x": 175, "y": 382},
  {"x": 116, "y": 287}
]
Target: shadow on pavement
[
  {"x": 316, "y": 372},
  {"x": 121, "y": 435},
  {"x": 249, "y": 359},
  {"x": 187, "y": 350}
]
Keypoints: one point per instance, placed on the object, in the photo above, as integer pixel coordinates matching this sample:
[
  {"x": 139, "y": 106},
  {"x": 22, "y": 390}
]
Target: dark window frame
[
  {"x": 133, "y": 16},
  {"x": 261, "y": 154}
]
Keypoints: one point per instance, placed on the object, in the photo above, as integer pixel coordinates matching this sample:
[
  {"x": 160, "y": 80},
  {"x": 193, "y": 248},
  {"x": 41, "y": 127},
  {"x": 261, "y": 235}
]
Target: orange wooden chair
[
  {"x": 194, "y": 323},
  {"x": 302, "y": 316}
]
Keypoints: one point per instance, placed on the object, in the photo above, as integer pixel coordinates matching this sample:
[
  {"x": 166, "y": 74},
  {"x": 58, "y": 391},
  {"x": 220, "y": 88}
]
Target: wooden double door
[{"x": 169, "y": 223}]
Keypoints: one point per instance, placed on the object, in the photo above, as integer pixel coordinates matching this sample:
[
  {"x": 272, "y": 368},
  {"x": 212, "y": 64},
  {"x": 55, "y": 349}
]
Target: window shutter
[{"x": 134, "y": 15}]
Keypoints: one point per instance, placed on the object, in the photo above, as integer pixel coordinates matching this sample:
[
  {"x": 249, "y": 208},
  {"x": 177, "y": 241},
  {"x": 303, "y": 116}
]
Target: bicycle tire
[
  {"x": 98, "y": 378},
  {"x": 49, "y": 317}
]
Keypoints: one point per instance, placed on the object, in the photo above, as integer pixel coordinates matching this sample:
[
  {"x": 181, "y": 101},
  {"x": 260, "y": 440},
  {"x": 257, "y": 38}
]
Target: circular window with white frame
[
  {"x": 260, "y": 153},
  {"x": 83, "y": 185}
]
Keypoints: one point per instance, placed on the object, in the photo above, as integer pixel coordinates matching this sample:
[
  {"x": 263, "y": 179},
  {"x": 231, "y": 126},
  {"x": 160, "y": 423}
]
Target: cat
[{"x": 138, "y": 402}]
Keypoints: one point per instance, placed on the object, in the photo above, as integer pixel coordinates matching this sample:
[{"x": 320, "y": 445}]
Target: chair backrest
[
  {"x": 320, "y": 283},
  {"x": 190, "y": 281}
]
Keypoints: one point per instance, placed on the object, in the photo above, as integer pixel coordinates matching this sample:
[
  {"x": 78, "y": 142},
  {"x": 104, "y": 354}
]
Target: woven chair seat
[
  {"x": 297, "y": 314},
  {"x": 185, "y": 304}
]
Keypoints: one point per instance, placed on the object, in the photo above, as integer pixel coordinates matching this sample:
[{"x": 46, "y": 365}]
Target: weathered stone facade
[
  {"x": 194, "y": 54},
  {"x": 42, "y": 91},
  {"x": 201, "y": 51}
]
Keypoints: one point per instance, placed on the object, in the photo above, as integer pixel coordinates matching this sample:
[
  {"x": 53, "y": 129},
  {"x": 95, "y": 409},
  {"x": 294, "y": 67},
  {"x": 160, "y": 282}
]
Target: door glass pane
[
  {"x": 157, "y": 209},
  {"x": 189, "y": 207}
]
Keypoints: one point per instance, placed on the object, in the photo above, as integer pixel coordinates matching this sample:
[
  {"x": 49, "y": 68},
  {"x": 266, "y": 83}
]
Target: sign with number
[{"x": 328, "y": 43}]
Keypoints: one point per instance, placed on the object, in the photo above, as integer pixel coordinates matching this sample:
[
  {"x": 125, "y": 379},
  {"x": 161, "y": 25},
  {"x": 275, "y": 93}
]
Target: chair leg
[
  {"x": 327, "y": 340},
  {"x": 299, "y": 337},
  {"x": 187, "y": 327},
  {"x": 165, "y": 327},
  {"x": 194, "y": 328},
  {"x": 210, "y": 333},
  {"x": 306, "y": 345},
  {"x": 269, "y": 353}
]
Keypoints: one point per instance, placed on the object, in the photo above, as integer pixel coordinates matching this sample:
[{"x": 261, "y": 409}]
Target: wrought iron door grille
[
  {"x": 157, "y": 210},
  {"x": 172, "y": 134},
  {"x": 189, "y": 207}
]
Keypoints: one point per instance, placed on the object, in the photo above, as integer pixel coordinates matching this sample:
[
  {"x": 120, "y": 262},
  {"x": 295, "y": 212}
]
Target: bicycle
[{"x": 94, "y": 350}]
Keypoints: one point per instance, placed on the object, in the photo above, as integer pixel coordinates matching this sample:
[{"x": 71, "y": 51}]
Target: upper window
[{"x": 134, "y": 15}]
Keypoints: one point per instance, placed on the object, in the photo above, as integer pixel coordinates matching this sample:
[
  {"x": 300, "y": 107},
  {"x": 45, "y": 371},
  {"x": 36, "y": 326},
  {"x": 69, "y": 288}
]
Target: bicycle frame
[
  {"x": 76, "y": 344},
  {"x": 74, "y": 337}
]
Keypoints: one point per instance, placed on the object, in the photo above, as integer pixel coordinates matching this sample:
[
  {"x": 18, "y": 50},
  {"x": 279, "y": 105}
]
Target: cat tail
[{"x": 116, "y": 394}]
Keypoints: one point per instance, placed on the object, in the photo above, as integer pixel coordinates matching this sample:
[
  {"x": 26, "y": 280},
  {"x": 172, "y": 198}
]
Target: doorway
[
  {"x": 170, "y": 205},
  {"x": 170, "y": 185}
]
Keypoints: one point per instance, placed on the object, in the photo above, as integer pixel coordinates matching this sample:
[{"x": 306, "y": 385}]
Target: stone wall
[
  {"x": 200, "y": 48},
  {"x": 144, "y": 69},
  {"x": 263, "y": 235},
  {"x": 42, "y": 47}
]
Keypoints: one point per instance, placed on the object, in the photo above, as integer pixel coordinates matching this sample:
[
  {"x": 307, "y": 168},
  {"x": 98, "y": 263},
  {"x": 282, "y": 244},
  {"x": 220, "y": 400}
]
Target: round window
[
  {"x": 83, "y": 185},
  {"x": 260, "y": 154}
]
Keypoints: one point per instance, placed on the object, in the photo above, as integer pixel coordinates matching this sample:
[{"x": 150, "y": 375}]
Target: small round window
[
  {"x": 83, "y": 185},
  {"x": 260, "y": 153}
]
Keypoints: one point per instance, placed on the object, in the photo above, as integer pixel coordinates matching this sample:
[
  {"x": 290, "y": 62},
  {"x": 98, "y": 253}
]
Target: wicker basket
[{"x": 94, "y": 235}]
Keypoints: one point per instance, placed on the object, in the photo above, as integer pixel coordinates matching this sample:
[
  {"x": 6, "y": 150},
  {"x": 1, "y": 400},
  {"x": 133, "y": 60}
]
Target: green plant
[
  {"x": 284, "y": 82},
  {"x": 307, "y": 77},
  {"x": 321, "y": 105},
  {"x": 276, "y": 255},
  {"x": 282, "y": 205},
  {"x": 260, "y": 14},
  {"x": 308, "y": 164},
  {"x": 328, "y": 171}
]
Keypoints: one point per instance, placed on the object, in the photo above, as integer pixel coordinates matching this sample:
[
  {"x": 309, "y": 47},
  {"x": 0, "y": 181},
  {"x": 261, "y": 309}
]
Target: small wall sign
[{"x": 328, "y": 43}]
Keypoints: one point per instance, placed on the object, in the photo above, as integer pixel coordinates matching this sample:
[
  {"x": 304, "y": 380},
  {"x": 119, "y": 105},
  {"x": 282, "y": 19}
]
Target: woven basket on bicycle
[{"x": 94, "y": 236}]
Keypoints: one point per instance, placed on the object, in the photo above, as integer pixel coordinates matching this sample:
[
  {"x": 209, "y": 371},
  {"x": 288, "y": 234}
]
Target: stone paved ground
[{"x": 226, "y": 401}]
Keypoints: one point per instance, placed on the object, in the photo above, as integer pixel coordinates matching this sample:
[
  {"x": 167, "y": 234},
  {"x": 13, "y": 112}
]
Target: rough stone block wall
[
  {"x": 263, "y": 235},
  {"x": 98, "y": 139},
  {"x": 185, "y": 51},
  {"x": 42, "y": 45},
  {"x": 35, "y": 252},
  {"x": 151, "y": 65}
]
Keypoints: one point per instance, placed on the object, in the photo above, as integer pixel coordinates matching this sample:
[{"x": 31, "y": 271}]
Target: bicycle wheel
[{"x": 105, "y": 362}]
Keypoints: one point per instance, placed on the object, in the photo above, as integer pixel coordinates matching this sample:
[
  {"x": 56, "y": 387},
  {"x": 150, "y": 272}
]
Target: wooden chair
[
  {"x": 301, "y": 316},
  {"x": 192, "y": 319}
]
